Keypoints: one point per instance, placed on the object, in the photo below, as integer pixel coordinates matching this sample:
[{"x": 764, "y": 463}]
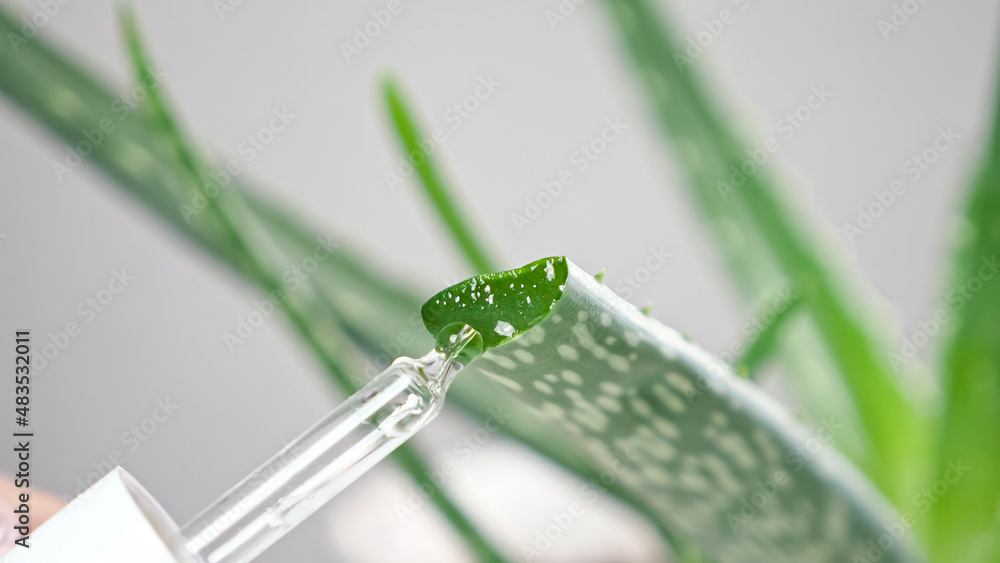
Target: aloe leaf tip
[{"x": 499, "y": 306}]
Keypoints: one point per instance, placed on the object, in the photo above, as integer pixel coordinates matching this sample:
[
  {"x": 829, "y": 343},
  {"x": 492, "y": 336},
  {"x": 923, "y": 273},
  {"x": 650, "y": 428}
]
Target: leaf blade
[
  {"x": 678, "y": 429},
  {"x": 443, "y": 198},
  {"x": 894, "y": 431},
  {"x": 964, "y": 523}
]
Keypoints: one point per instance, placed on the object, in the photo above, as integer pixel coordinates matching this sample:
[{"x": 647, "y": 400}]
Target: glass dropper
[{"x": 328, "y": 457}]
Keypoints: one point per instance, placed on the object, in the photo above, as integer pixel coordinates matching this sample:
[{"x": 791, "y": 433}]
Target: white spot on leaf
[
  {"x": 504, "y": 328},
  {"x": 568, "y": 352}
]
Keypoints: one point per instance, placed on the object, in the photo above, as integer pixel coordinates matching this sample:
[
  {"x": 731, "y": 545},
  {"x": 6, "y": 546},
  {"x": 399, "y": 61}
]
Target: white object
[{"x": 114, "y": 521}]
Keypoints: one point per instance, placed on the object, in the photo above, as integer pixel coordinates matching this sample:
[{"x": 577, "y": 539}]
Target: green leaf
[
  {"x": 412, "y": 139},
  {"x": 708, "y": 455},
  {"x": 469, "y": 393},
  {"x": 763, "y": 347},
  {"x": 966, "y": 518},
  {"x": 499, "y": 306},
  {"x": 767, "y": 244}
]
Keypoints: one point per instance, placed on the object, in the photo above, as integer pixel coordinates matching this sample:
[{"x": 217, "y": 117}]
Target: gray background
[{"x": 162, "y": 336}]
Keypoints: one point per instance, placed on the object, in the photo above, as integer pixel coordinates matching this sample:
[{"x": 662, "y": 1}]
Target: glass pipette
[{"x": 327, "y": 458}]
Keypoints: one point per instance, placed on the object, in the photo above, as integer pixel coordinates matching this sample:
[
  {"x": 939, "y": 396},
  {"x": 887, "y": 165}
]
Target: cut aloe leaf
[
  {"x": 707, "y": 454},
  {"x": 499, "y": 306}
]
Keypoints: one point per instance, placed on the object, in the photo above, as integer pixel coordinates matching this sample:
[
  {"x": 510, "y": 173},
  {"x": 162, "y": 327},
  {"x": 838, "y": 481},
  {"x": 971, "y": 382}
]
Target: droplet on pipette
[
  {"x": 274, "y": 519},
  {"x": 397, "y": 425}
]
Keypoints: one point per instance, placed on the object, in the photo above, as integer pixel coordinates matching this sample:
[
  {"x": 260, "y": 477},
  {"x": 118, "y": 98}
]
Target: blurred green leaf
[
  {"x": 554, "y": 446},
  {"x": 767, "y": 340},
  {"x": 223, "y": 207},
  {"x": 413, "y": 141},
  {"x": 760, "y": 232},
  {"x": 966, "y": 517}
]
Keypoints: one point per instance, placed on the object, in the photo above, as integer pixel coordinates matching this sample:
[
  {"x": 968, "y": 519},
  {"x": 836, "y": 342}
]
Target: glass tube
[{"x": 324, "y": 460}]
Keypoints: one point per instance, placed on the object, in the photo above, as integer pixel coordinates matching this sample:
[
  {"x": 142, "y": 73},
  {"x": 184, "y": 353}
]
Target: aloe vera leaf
[
  {"x": 711, "y": 456},
  {"x": 470, "y": 393},
  {"x": 442, "y": 197},
  {"x": 224, "y": 211},
  {"x": 65, "y": 100},
  {"x": 523, "y": 295},
  {"x": 965, "y": 523},
  {"x": 747, "y": 256},
  {"x": 220, "y": 209},
  {"x": 395, "y": 314},
  {"x": 895, "y": 431}
]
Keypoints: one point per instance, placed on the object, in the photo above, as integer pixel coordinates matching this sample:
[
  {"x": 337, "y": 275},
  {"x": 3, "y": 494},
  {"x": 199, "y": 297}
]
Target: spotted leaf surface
[
  {"x": 499, "y": 306},
  {"x": 709, "y": 455}
]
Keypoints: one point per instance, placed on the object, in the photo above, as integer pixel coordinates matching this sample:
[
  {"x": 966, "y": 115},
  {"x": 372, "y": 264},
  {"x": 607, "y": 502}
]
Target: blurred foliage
[
  {"x": 836, "y": 359},
  {"x": 344, "y": 310},
  {"x": 966, "y": 518},
  {"x": 431, "y": 179},
  {"x": 764, "y": 236}
]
